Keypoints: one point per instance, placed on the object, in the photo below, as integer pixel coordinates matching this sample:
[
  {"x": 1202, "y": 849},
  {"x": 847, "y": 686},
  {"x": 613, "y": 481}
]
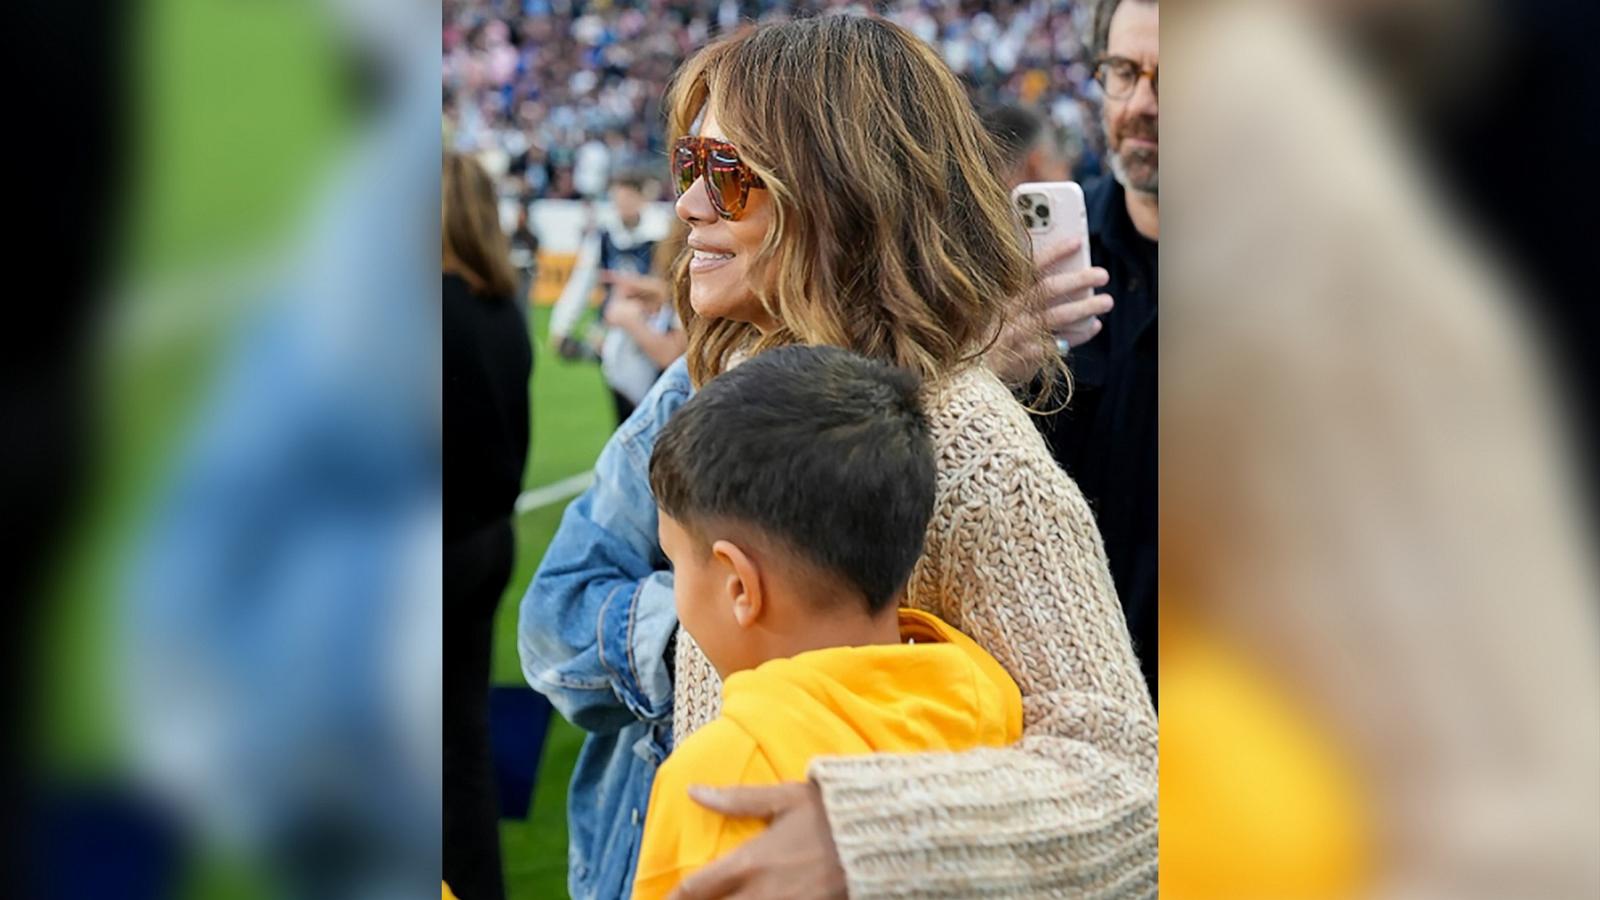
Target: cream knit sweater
[{"x": 1014, "y": 560}]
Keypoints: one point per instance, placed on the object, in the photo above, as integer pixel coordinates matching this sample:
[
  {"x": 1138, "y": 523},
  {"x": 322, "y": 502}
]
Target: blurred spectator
[
  {"x": 487, "y": 362},
  {"x": 524, "y": 251},
  {"x": 641, "y": 305},
  {"x": 618, "y": 250},
  {"x": 1030, "y": 146},
  {"x": 590, "y": 170},
  {"x": 570, "y": 91}
]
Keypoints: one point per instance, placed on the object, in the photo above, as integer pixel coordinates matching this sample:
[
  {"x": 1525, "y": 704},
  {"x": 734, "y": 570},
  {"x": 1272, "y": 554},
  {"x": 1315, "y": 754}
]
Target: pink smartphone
[{"x": 1054, "y": 214}]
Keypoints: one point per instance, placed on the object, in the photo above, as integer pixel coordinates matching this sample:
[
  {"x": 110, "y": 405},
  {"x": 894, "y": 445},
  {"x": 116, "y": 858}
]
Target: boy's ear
[{"x": 743, "y": 586}]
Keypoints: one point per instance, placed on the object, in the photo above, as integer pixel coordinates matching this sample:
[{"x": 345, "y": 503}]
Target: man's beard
[{"x": 1138, "y": 170}]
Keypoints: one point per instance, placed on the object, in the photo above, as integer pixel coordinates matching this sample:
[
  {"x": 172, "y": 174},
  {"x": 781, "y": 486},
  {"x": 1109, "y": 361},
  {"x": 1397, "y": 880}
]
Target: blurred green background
[{"x": 238, "y": 116}]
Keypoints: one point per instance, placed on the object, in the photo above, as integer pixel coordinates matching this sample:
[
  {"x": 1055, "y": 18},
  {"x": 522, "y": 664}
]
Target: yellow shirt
[
  {"x": 939, "y": 692},
  {"x": 1258, "y": 798}
]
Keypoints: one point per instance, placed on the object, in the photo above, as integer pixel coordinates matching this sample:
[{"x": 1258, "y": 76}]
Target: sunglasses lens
[
  {"x": 724, "y": 174},
  {"x": 727, "y": 178},
  {"x": 684, "y": 168}
]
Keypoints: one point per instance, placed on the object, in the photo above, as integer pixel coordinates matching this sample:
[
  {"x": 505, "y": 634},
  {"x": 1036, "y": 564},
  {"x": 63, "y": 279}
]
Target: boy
[{"x": 794, "y": 492}]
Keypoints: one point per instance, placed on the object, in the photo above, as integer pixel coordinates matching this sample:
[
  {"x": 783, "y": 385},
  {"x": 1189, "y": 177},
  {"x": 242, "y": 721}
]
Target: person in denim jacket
[
  {"x": 595, "y": 631},
  {"x": 840, "y": 190}
]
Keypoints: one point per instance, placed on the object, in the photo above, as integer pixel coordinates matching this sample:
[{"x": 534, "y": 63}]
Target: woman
[
  {"x": 487, "y": 360},
  {"x": 839, "y": 190}
]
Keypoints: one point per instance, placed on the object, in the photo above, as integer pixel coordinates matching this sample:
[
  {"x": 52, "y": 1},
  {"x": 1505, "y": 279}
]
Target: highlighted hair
[{"x": 892, "y": 232}]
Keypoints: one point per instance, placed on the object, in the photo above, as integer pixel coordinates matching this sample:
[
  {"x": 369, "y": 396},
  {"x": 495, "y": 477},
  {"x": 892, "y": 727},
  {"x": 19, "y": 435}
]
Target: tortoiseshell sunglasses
[{"x": 728, "y": 180}]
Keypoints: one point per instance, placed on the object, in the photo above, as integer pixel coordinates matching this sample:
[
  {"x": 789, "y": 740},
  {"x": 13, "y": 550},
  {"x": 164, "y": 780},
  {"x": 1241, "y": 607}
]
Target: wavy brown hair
[
  {"x": 892, "y": 231},
  {"x": 475, "y": 247}
]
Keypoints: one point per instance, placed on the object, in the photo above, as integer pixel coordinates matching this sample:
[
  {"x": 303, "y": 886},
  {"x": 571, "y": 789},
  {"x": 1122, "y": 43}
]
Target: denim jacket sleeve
[{"x": 595, "y": 623}]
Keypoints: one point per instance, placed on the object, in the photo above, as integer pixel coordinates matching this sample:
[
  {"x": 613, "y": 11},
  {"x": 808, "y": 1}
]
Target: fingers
[
  {"x": 1063, "y": 316},
  {"x": 1052, "y": 255},
  {"x": 1055, "y": 288},
  {"x": 1081, "y": 333},
  {"x": 761, "y": 802},
  {"x": 1017, "y": 354},
  {"x": 623, "y": 306},
  {"x": 715, "y": 880}
]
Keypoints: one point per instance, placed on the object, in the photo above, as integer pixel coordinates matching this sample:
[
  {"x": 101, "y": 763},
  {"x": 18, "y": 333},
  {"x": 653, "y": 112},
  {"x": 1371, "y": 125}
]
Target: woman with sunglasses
[{"x": 840, "y": 190}]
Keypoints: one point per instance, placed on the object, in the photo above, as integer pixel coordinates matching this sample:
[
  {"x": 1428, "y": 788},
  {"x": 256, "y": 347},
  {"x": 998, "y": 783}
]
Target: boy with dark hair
[{"x": 794, "y": 493}]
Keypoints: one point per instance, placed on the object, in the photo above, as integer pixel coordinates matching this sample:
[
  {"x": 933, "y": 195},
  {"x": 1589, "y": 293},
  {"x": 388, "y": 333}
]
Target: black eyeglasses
[{"x": 1118, "y": 76}]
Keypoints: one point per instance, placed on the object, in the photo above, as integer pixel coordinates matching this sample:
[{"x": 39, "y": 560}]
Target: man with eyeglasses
[{"x": 1106, "y": 437}]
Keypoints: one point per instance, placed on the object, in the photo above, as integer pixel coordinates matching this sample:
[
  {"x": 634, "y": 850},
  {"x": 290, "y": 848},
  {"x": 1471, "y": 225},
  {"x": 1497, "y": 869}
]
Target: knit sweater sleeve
[{"x": 1014, "y": 557}]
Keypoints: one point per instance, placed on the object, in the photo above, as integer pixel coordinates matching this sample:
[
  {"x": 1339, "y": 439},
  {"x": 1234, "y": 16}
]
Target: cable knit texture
[{"x": 1013, "y": 559}]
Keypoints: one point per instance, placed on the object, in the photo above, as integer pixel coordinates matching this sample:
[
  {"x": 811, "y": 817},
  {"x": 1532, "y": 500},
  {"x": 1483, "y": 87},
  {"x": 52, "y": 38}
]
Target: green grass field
[{"x": 572, "y": 417}]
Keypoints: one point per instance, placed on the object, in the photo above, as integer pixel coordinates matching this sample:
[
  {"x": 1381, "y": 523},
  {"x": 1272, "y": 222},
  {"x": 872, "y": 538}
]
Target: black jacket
[
  {"x": 1106, "y": 437},
  {"x": 487, "y": 360}
]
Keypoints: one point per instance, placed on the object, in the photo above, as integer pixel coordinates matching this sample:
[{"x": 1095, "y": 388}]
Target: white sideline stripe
[{"x": 547, "y": 494}]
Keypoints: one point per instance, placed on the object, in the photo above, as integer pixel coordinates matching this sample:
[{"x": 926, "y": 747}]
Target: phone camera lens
[
  {"x": 1042, "y": 211},
  {"x": 1027, "y": 220}
]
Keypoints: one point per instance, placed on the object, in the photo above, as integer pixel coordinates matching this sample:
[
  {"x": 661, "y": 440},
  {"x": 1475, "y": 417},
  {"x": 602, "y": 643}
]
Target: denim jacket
[{"x": 593, "y": 636}]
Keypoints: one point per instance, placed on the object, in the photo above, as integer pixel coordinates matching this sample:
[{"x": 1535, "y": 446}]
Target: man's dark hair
[
  {"x": 1014, "y": 128},
  {"x": 820, "y": 449},
  {"x": 1103, "y": 12}
]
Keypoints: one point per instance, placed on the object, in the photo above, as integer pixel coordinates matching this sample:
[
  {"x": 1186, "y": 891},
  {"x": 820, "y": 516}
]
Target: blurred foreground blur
[
  {"x": 239, "y": 691},
  {"x": 1379, "y": 664}
]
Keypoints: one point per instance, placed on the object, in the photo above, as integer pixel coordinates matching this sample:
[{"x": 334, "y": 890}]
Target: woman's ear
[{"x": 745, "y": 592}]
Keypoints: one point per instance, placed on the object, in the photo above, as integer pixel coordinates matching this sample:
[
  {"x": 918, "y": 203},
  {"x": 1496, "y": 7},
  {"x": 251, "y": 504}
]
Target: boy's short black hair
[{"x": 819, "y": 448}]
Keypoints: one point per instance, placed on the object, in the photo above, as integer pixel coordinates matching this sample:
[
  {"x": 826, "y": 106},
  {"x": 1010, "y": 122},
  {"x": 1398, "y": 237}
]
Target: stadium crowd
[{"x": 558, "y": 96}]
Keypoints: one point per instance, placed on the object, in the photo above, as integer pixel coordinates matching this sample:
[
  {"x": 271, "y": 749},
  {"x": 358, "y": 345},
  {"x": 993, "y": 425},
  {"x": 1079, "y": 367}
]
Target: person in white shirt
[
  {"x": 590, "y": 166},
  {"x": 639, "y": 333}
]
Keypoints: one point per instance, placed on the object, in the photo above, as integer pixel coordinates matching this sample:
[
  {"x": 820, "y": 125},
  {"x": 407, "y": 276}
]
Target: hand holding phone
[
  {"x": 1058, "y": 226},
  {"x": 1054, "y": 214}
]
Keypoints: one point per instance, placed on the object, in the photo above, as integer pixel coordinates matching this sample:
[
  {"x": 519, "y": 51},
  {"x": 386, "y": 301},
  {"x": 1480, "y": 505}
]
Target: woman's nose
[{"x": 693, "y": 206}]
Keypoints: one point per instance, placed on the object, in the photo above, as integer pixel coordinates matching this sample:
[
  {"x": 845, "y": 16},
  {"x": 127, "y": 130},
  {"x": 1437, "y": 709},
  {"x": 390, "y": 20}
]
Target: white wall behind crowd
[{"x": 560, "y": 223}]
